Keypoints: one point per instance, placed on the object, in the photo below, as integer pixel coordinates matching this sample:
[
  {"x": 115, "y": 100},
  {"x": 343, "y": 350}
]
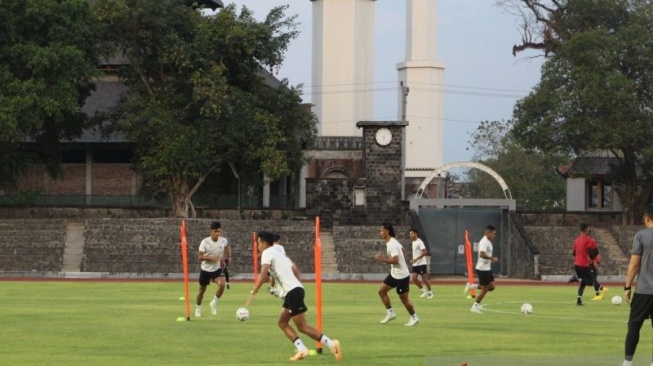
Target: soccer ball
[
  {"x": 242, "y": 314},
  {"x": 527, "y": 309},
  {"x": 616, "y": 300}
]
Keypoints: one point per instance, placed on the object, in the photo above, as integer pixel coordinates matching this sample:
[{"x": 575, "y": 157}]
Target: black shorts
[
  {"x": 584, "y": 275},
  {"x": 294, "y": 301},
  {"x": 484, "y": 277},
  {"x": 420, "y": 269},
  {"x": 641, "y": 308},
  {"x": 401, "y": 285},
  {"x": 207, "y": 277}
]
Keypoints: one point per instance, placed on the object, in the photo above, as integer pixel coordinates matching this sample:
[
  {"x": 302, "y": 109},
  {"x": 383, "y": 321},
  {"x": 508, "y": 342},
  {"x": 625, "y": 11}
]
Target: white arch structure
[{"x": 463, "y": 164}]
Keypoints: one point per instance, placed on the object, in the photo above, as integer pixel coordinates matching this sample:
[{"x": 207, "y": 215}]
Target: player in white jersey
[
  {"x": 484, "y": 268},
  {"x": 420, "y": 268},
  {"x": 278, "y": 265},
  {"x": 398, "y": 278},
  {"x": 274, "y": 289},
  {"x": 211, "y": 252}
]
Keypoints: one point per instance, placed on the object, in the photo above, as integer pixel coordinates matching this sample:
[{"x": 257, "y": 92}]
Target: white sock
[
  {"x": 422, "y": 289},
  {"x": 215, "y": 299},
  {"x": 390, "y": 311},
  {"x": 326, "y": 341},
  {"x": 299, "y": 344},
  {"x": 414, "y": 316},
  {"x": 198, "y": 306},
  {"x": 627, "y": 363}
]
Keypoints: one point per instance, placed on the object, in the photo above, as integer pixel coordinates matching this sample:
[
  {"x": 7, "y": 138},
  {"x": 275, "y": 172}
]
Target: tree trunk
[{"x": 180, "y": 204}]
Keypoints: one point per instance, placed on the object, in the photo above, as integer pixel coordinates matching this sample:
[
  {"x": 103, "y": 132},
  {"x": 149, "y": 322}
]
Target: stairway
[
  {"x": 615, "y": 260},
  {"x": 329, "y": 262},
  {"x": 74, "y": 249}
]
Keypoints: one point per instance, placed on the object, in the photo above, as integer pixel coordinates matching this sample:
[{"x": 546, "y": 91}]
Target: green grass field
[{"x": 134, "y": 323}]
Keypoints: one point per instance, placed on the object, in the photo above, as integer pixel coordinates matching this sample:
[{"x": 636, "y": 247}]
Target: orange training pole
[
  {"x": 470, "y": 263},
  {"x": 184, "y": 259},
  {"x": 255, "y": 255},
  {"x": 318, "y": 280}
]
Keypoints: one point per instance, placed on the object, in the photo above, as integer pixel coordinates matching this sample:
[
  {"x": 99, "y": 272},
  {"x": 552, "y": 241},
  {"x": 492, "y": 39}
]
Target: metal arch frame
[{"x": 463, "y": 164}]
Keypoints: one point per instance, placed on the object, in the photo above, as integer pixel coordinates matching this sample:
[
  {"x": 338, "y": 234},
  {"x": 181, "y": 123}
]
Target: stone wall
[
  {"x": 598, "y": 219},
  {"x": 356, "y": 245},
  {"x": 522, "y": 255},
  {"x": 153, "y": 245},
  {"x": 624, "y": 236},
  {"x": 32, "y": 245}
]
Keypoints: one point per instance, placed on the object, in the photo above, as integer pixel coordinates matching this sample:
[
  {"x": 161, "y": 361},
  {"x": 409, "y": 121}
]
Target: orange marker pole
[
  {"x": 470, "y": 263},
  {"x": 184, "y": 260},
  {"x": 318, "y": 280},
  {"x": 255, "y": 255}
]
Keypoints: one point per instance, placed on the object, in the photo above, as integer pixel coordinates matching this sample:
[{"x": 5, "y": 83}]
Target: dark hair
[
  {"x": 490, "y": 228},
  {"x": 215, "y": 225},
  {"x": 648, "y": 211},
  {"x": 584, "y": 226},
  {"x": 266, "y": 236},
  {"x": 414, "y": 230},
  {"x": 389, "y": 227},
  {"x": 276, "y": 237}
]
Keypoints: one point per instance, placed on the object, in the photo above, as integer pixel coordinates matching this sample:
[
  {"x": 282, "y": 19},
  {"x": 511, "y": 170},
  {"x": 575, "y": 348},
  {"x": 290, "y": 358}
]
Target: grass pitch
[{"x": 134, "y": 323}]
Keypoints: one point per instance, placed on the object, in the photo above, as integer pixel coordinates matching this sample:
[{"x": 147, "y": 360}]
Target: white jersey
[
  {"x": 280, "y": 248},
  {"x": 280, "y": 269},
  {"x": 210, "y": 247},
  {"x": 484, "y": 246},
  {"x": 418, "y": 246},
  {"x": 399, "y": 270}
]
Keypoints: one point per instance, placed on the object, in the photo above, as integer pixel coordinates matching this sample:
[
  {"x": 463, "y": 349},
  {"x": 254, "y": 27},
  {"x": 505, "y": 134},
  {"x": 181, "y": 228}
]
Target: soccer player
[
  {"x": 211, "y": 251},
  {"x": 419, "y": 264},
  {"x": 585, "y": 261},
  {"x": 484, "y": 268},
  {"x": 399, "y": 277},
  {"x": 279, "y": 266},
  {"x": 641, "y": 265}
]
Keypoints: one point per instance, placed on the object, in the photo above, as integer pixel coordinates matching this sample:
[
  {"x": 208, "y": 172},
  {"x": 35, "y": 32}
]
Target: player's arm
[
  {"x": 203, "y": 256},
  {"x": 262, "y": 278},
  {"x": 484, "y": 255},
  {"x": 633, "y": 269},
  {"x": 423, "y": 254},
  {"x": 389, "y": 260}
]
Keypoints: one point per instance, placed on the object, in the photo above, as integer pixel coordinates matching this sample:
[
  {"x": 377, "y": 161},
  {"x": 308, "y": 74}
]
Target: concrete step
[
  {"x": 74, "y": 249},
  {"x": 329, "y": 261}
]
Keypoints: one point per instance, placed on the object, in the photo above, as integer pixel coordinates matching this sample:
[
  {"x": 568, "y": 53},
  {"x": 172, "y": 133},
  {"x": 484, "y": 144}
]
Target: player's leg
[
  {"x": 219, "y": 280},
  {"x": 485, "y": 280},
  {"x": 225, "y": 271},
  {"x": 385, "y": 287},
  {"x": 403, "y": 288},
  {"x": 424, "y": 273},
  {"x": 640, "y": 309},
  {"x": 204, "y": 281},
  {"x": 415, "y": 279},
  {"x": 598, "y": 289},
  {"x": 584, "y": 279}
]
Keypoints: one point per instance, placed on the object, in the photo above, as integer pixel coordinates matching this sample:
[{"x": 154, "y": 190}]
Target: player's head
[
  {"x": 648, "y": 214},
  {"x": 276, "y": 238},
  {"x": 265, "y": 240},
  {"x": 584, "y": 228},
  {"x": 490, "y": 232},
  {"x": 216, "y": 227},
  {"x": 413, "y": 234},
  {"x": 387, "y": 230}
]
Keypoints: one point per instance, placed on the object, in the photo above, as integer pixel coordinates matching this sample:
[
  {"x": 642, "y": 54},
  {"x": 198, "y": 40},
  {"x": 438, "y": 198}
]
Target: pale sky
[{"x": 482, "y": 79}]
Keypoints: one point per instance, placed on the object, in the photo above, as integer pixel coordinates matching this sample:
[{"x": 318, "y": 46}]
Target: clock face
[{"x": 383, "y": 136}]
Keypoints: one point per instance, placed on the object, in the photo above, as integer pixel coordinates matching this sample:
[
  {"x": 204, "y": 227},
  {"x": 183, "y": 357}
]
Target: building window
[{"x": 599, "y": 194}]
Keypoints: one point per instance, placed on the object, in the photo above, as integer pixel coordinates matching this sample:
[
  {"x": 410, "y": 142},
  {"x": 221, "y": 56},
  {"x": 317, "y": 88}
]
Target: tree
[
  {"x": 530, "y": 175},
  {"x": 48, "y": 60},
  {"x": 596, "y": 93},
  {"x": 547, "y": 24},
  {"x": 198, "y": 97}
]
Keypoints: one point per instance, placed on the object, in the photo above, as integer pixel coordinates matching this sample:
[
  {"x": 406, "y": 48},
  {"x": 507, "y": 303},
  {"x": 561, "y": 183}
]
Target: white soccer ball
[
  {"x": 527, "y": 309},
  {"x": 616, "y": 300},
  {"x": 242, "y": 314}
]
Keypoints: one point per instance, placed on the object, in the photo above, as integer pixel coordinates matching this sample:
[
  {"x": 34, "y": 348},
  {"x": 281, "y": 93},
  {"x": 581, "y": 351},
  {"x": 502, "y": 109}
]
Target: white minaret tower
[
  {"x": 422, "y": 78},
  {"x": 343, "y": 65}
]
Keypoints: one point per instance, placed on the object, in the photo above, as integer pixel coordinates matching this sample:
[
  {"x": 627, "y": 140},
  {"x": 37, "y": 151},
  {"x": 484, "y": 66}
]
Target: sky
[{"x": 482, "y": 79}]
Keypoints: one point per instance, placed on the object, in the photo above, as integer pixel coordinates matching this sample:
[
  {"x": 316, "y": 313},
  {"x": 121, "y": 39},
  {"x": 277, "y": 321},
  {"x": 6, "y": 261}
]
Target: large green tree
[
  {"x": 596, "y": 93},
  {"x": 198, "y": 96},
  {"x": 48, "y": 60},
  {"x": 530, "y": 175}
]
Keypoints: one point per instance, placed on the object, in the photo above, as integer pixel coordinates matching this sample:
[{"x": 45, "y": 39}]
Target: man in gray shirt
[{"x": 641, "y": 265}]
